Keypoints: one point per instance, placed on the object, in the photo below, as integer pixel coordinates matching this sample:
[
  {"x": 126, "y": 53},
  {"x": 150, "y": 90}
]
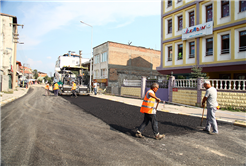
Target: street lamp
[{"x": 91, "y": 50}]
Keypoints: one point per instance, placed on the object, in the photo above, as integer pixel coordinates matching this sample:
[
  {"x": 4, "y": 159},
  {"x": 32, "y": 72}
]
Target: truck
[{"x": 65, "y": 69}]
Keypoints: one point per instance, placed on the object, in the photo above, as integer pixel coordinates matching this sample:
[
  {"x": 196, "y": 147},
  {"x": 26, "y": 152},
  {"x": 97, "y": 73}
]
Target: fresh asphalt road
[{"x": 39, "y": 130}]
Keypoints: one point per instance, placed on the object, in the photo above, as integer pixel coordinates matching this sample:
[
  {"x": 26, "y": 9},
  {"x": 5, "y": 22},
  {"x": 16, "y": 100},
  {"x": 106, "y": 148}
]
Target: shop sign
[
  {"x": 175, "y": 89},
  {"x": 197, "y": 31}
]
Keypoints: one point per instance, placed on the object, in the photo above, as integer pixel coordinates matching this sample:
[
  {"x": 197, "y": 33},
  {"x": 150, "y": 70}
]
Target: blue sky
[{"x": 52, "y": 28}]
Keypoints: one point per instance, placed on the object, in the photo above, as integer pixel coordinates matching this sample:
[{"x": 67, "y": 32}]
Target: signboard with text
[{"x": 197, "y": 31}]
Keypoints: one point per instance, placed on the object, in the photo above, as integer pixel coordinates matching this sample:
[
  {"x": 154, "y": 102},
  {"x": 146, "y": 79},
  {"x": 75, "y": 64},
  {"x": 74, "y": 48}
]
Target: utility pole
[
  {"x": 23, "y": 75},
  {"x": 80, "y": 56}
]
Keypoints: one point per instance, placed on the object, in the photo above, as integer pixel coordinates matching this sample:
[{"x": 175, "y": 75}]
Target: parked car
[{"x": 25, "y": 83}]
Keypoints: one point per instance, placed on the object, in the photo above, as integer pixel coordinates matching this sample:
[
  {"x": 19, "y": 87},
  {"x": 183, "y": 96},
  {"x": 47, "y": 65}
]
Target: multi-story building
[
  {"x": 209, "y": 34},
  {"x": 8, "y": 40},
  {"x": 113, "y": 62}
]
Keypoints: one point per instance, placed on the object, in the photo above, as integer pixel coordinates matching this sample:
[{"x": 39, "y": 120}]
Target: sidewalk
[
  {"x": 8, "y": 97},
  {"x": 237, "y": 118}
]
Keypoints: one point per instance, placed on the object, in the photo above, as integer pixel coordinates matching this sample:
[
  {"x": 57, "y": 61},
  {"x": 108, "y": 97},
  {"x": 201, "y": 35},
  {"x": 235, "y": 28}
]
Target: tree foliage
[
  {"x": 197, "y": 72},
  {"x": 35, "y": 73}
]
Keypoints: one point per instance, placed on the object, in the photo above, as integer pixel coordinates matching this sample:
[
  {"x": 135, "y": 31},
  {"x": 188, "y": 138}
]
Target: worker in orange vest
[
  {"x": 73, "y": 89},
  {"x": 47, "y": 87},
  {"x": 56, "y": 87},
  {"x": 150, "y": 112}
]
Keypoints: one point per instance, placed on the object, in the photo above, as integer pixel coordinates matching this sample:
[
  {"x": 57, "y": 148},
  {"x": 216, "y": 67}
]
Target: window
[
  {"x": 103, "y": 73},
  {"x": 209, "y": 13},
  {"x": 209, "y": 47},
  {"x": 169, "y": 3},
  {"x": 224, "y": 8},
  {"x": 242, "y": 41},
  {"x": 179, "y": 1},
  {"x": 180, "y": 23},
  {"x": 169, "y": 26},
  {"x": 104, "y": 57},
  {"x": 96, "y": 59},
  {"x": 191, "y": 19},
  {"x": 180, "y": 51},
  {"x": 242, "y": 6},
  {"x": 170, "y": 53},
  {"x": 225, "y": 44},
  {"x": 192, "y": 49}
]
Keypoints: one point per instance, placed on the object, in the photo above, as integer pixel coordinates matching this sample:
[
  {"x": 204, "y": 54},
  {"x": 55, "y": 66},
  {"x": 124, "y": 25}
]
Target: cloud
[
  {"x": 43, "y": 17},
  {"x": 49, "y": 57}
]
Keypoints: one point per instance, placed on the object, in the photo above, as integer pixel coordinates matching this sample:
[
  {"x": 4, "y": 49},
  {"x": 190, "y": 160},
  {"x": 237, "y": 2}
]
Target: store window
[
  {"x": 169, "y": 3},
  {"x": 191, "y": 49},
  {"x": 225, "y": 8},
  {"x": 169, "y": 26},
  {"x": 170, "y": 53},
  {"x": 209, "y": 47},
  {"x": 242, "y": 41},
  {"x": 180, "y": 51},
  {"x": 180, "y": 23},
  {"x": 209, "y": 13},
  {"x": 242, "y": 6},
  {"x": 191, "y": 19},
  {"x": 225, "y": 44}
]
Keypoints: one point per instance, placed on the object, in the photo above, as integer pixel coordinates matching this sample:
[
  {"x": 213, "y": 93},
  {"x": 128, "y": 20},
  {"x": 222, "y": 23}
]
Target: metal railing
[
  {"x": 243, "y": 48},
  {"x": 131, "y": 82},
  {"x": 208, "y": 53},
  {"x": 227, "y": 84},
  {"x": 225, "y": 51},
  {"x": 185, "y": 83}
]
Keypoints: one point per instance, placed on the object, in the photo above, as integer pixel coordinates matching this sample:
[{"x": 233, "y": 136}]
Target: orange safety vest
[
  {"x": 47, "y": 86},
  {"x": 74, "y": 86},
  {"x": 56, "y": 86},
  {"x": 148, "y": 104}
]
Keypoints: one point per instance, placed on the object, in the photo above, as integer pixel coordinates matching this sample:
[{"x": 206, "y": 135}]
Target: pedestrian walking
[
  {"x": 73, "y": 90},
  {"x": 95, "y": 87},
  {"x": 212, "y": 106},
  {"x": 150, "y": 112},
  {"x": 56, "y": 87},
  {"x": 47, "y": 89}
]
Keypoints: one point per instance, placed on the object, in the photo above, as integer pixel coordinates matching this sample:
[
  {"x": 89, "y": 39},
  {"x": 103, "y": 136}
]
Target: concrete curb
[
  {"x": 13, "y": 98},
  {"x": 194, "y": 115}
]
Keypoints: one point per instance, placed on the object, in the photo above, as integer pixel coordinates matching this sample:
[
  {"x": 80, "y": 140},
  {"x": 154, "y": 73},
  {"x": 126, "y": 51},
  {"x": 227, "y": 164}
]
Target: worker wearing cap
[
  {"x": 212, "y": 106},
  {"x": 47, "y": 87},
  {"x": 150, "y": 112},
  {"x": 73, "y": 89},
  {"x": 56, "y": 87}
]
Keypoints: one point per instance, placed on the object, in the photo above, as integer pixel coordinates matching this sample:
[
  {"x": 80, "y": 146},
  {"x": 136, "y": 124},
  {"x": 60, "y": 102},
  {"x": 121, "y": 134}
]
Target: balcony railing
[
  {"x": 225, "y": 51},
  {"x": 226, "y": 84},
  {"x": 191, "y": 55},
  {"x": 243, "y": 48},
  {"x": 169, "y": 59},
  {"x": 209, "y": 53},
  {"x": 185, "y": 83}
]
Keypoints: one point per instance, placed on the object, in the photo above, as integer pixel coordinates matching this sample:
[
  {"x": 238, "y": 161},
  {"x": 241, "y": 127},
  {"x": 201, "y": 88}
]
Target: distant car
[{"x": 25, "y": 83}]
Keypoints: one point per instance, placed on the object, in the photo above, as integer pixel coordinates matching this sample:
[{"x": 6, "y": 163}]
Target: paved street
[{"x": 40, "y": 130}]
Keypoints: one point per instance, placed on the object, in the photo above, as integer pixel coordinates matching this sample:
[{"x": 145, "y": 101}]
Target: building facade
[
  {"x": 208, "y": 34},
  {"x": 113, "y": 62}
]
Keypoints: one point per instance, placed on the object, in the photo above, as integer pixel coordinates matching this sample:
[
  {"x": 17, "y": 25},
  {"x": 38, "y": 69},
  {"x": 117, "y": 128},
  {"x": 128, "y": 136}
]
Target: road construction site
[{"x": 92, "y": 130}]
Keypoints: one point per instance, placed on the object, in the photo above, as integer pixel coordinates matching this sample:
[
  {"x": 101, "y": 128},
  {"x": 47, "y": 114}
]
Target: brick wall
[
  {"x": 187, "y": 96},
  {"x": 131, "y": 91},
  {"x": 236, "y": 100}
]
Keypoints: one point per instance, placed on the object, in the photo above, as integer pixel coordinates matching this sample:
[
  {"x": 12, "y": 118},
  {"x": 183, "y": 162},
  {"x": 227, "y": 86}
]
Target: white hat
[{"x": 206, "y": 82}]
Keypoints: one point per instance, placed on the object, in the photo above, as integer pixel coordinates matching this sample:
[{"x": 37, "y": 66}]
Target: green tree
[
  {"x": 35, "y": 73},
  {"x": 197, "y": 72},
  {"x": 46, "y": 78}
]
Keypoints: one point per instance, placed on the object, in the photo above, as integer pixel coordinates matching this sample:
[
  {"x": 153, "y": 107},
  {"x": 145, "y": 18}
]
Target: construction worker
[
  {"x": 150, "y": 112},
  {"x": 73, "y": 89},
  {"x": 212, "y": 106},
  {"x": 56, "y": 87},
  {"x": 47, "y": 87}
]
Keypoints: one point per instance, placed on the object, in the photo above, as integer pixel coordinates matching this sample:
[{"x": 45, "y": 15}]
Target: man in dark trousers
[{"x": 149, "y": 110}]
